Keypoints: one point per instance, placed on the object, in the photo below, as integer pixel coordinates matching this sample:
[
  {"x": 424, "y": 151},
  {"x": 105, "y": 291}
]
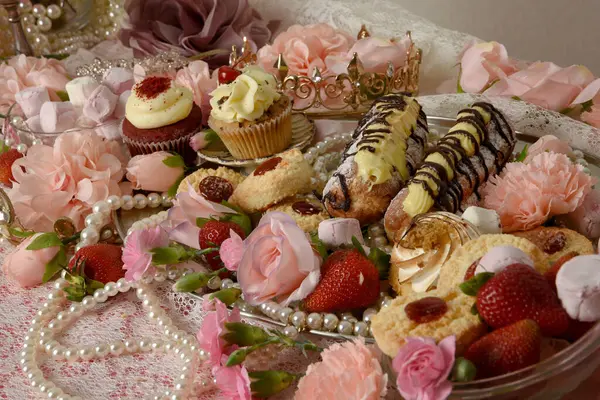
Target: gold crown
[{"x": 345, "y": 95}]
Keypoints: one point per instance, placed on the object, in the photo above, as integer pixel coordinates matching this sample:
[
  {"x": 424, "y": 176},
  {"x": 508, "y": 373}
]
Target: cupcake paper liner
[
  {"x": 180, "y": 146},
  {"x": 258, "y": 140}
]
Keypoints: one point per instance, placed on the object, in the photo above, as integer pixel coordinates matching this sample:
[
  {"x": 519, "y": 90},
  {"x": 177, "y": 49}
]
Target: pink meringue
[
  {"x": 578, "y": 287},
  {"x": 500, "y": 257},
  {"x": 31, "y": 100}
]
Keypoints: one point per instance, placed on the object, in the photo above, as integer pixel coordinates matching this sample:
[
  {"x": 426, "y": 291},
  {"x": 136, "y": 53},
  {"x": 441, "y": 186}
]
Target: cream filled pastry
[
  {"x": 155, "y": 103},
  {"x": 250, "y": 116},
  {"x": 385, "y": 150}
]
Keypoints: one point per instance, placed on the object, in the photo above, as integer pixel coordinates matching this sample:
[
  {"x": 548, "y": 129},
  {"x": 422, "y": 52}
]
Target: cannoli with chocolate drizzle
[
  {"x": 476, "y": 147},
  {"x": 385, "y": 150}
]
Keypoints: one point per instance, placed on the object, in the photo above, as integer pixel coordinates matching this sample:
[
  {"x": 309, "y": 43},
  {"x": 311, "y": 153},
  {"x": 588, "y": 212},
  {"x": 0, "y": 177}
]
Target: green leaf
[
  {"x": 243, "y": 221},
  {"x": 56, "y": 56},
  {"x": 516, "y": 98},
  {"x": 211, "y": 136},
  {"x": 474, "y": 309},
  {"x": 3, "y": 147},
  {"x": 200, "y": 222},
  {"x": 174, "y": 161},
  {"x": 209, "y": 53},
  {"x": 463, "y": 370},
  {"x": 587, "y": 106},
  {"x": 237, "y": 357},
  {"x": 459, "y": 88},
  {"x": 172, "y": 192},
  {"x": 91, "y": 286},
  {"x": 191, "y": 282},
  {"x": 319, "y": 246},
  {"x": 244, "y": 334},
  {"x": 44, "y": 241},
  {"x": 19, "y": 233},
  {"x": 358, "y": 246},
  {"x": 227, "y": 296},
  {"x": 62, "y": 95},
  {"x": 381, "y": 259},
  {"x": 168, "y": 255},
  {"x": 267, "y": 383},
  {"x": 58, "y": 262},
  {"x": 472, "y": 286},
  {"x": 523, "y": 154},
  {"x": 75, "y": 293}
]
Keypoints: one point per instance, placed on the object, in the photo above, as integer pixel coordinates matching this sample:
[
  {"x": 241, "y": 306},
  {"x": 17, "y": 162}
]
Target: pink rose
[
  {"x": 423, "y": 368},
  {"x": 544, "y": 84},
  {"x": 483, "y": 63},
  {"x": 232, "y": 251},
  {"x": 374, "y": 53},
  {"x": 526, "y": 195},
  {"x": 233, "y": 382},
  {"x": 546, "y": 144},
  {"x": 592, "y": 117},
  {"x": 137, "y": 258},
  {"x": 27, "y": 267},
  {"x": 196, "y": 77},
  {"x": 187, "y": 207},
  {"x": 279, "y": 262},
  {"x": 213, "y": 326},
  {"x": 306, "y": 47},
  {"x": 348, "y": 370},
  {"x": 198, "y": 141},
  {"x": 21, "y": 72},
  {"x": 149, "y": 172}
]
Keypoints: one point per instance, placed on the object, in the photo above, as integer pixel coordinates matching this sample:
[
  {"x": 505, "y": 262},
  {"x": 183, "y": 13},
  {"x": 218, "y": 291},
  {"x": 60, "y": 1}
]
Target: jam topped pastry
[
  {"x": 207, "y": 180},
  {"x": 306, "y": 211},
  {"x": 556, "y": 242},
  {"x": 426, "y": 309}
]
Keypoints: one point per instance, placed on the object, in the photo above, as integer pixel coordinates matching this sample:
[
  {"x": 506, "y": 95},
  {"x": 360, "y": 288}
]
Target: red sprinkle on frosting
[{"x": 152, "y": 86}]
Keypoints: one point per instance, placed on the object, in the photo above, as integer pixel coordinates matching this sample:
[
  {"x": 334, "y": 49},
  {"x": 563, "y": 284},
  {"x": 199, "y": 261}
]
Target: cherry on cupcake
[{"x": 227, "y": 75}]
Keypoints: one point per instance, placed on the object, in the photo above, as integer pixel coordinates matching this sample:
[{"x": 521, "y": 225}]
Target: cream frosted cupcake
[
  {"x": 160, "y": 115},
  {"x": 249, "y": 115}
]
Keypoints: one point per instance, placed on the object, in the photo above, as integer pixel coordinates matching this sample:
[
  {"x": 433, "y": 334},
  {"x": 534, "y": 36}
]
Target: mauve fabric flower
[
  {"x": 213, "y": 326},
  {"x": 526, "y": 195},
  {"x": 423, "y": 368},
  {"x": 349, "y": 370},
  {"x": 137, "y": 258},
  {"x": 193, "y": 26}
]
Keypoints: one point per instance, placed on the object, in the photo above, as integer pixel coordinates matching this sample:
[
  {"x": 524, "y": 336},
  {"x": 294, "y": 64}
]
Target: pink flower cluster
[
  {"x": 486, "y": 68},
  {"x": 525, "y": 195},
  {"x": 22, "y": 72},
  {"x": 66, "y": 180},
  {"x": 233, "y": 382}
]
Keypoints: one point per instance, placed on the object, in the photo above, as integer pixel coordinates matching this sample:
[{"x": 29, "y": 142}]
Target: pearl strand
[{"x": 49, "y": 321}]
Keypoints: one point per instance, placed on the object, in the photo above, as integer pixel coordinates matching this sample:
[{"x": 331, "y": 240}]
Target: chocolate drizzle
[{"x": 343, "y": 204}]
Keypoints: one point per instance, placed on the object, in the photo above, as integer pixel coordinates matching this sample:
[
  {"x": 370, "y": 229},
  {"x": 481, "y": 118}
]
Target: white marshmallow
[
  {"x": 121, "y": 103},
  {"x": 34, "y": 124},
  {"x": 486, "y": 221},
  {"x": 79, "y": 89},
  {"x": 500, "y": 257},
  {"x": 31, "y": 100},
  {"x": 118, "y": 80},
  {"x": 337, "y": 232},
  {"x": 100, "y": 105},
  {"x": 578, "y": 287},
  {"x": 57, "y": 116}
]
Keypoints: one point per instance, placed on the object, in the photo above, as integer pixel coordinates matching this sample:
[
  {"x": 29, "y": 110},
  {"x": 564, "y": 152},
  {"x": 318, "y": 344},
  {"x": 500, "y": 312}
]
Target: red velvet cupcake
[{"x": 160, "y": 115}]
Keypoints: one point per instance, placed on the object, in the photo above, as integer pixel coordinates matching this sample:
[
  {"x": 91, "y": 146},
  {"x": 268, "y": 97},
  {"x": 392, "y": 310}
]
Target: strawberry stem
[{"x": 71, "y": 238}]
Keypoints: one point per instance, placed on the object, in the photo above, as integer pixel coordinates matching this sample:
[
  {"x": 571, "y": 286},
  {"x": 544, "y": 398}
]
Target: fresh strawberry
[
  {"x": 577, "y": 329},
  {"x": 471, "y": 270},
  {"x": 506, "y": 350},
  {"x": 550, "y": 275},
  {"x": 349, "y": 280},
  {"x": 519, "y": 292},
  {"x": 6, "y": 161},
  {"x": 213, "y": 234},
  {"x": 102, "y": 262}
]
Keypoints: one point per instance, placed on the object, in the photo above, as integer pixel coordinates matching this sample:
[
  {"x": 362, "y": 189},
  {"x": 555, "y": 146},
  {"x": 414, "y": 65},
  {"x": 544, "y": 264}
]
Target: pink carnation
[
  {"x": 232, "y": 251},
  {"x": 349, "y": 370},
  {"x": 526, "y": 195},
  {"x": 137, "y": 258},
  {"x": 233, "y": 382},
  {"x": 213, "y": 326},
  {"x": 21, "y": 72},
  {"x": 66, "y": 180}
]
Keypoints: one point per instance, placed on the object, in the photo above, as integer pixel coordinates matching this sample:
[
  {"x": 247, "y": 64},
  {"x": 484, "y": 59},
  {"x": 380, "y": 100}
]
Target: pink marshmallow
[
  {"x": 31, "y": 100},
  {"x": 120, "y": 107},
  {"x": 79, "y": 89},
  {"x": 100, "y": 105},
  {"x": 111, "y": 129},
  {"x": 578, "y": 287},
  {"x": 586, "y": 218},
  {"x": 34, "y": 124},
  {"x": 118, "y": 80},
  {"x": 500, "y": 257},
  {"x": 337, "y": 232},
  {"x": 57, "y": 116}
]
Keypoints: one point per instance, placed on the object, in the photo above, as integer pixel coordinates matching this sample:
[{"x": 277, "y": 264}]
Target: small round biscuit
[
  {"x": 454, "y": 270},
  {"x": 391, "y": 326},
  {"x": 277, "y": 178},
  {"x": 193, "y": 180},
  {"x": 556, "y": 242},
  {"x": 308, "y": 213}
]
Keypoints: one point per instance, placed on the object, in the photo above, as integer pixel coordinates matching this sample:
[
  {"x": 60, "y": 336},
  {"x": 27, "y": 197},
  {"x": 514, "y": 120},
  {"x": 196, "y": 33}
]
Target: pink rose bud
[
  {"x": 79, "y": 89},
  {"x": 337, "y": 232},
  {"x": 27, "y": 267},
  {"x": 148, "y": 172},
  {"x": 118, "y": 80},
  {"x": 110, "y": 129},
  {"x": 34, "y": 124},
  {"x": 31, "y": 100},
  {"x": 100, "y": 105},
  {"x": 120, "y": 107},
  {"x": 57, "y": 116},
  {"x": 232, "y": 251}
]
